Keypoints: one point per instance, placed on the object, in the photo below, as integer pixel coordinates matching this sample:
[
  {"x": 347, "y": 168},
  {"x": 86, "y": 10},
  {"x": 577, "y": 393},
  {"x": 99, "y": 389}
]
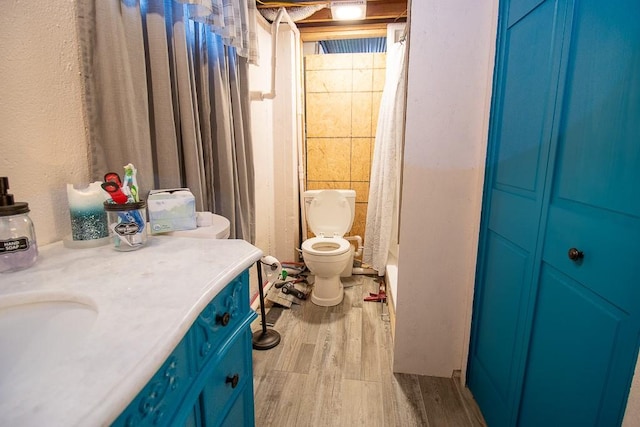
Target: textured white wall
[
  {"x": 451, "y": 54},
  {"x": 262, "y": 134},
  {"x": 275, "y": 134},
  {"x": 42, "y": 138}
]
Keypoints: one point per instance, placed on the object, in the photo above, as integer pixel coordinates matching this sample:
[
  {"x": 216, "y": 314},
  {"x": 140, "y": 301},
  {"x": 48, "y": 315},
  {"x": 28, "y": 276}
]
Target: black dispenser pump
[
  {"x": 5, "y": 198},
  {"x": 7, "y": 204}
]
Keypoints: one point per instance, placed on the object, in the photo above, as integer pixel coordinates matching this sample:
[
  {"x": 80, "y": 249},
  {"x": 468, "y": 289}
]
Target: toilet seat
[
  {"x": 326, "y": 246},
  {"x": 329, "y": 214}
]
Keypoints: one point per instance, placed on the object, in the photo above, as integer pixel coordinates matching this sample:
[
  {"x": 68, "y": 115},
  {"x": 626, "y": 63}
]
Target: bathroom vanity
[{"x": 159, "y": 336}]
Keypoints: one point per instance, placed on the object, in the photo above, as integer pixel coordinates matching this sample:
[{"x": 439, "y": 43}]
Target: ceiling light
[{"x": 349, "y": 10}]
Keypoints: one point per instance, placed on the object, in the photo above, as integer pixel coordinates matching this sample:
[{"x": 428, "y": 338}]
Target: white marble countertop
[{"x": 143, "y": 303}]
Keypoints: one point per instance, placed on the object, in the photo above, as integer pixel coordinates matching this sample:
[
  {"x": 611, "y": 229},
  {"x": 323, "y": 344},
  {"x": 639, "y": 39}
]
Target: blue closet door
[
  {"x": 556, "y": 315},
  {"x": 586, "y": 321},
  {"x": 527, "y": 69}
]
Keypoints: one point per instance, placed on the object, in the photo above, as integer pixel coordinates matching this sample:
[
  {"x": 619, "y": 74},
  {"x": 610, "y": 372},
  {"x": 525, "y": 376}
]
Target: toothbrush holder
[{"x": 127, "y": 225}]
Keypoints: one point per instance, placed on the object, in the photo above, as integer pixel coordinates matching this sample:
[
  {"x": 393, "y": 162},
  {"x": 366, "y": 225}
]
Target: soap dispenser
[{"x": 18, "y": 248}]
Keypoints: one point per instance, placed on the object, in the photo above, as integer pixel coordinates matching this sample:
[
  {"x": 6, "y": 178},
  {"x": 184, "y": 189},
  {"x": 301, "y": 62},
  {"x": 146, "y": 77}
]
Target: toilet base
[{"x": 327, "y": 292}]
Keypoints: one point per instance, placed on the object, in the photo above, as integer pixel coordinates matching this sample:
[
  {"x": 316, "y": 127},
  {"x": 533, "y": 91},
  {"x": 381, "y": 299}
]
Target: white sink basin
[{"x": 38, "y": 330}]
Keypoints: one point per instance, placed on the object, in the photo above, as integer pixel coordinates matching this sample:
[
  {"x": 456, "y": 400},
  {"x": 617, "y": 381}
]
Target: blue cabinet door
[{"x": 555, "y": 339}]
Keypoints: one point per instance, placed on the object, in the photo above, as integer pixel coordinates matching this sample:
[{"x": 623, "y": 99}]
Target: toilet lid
[{"x": 329, "y": 214}]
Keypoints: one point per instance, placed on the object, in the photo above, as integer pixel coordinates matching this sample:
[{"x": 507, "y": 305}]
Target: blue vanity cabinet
[
  {"x": 208, "y": 379},
  {"x": 229, "y": 390}
]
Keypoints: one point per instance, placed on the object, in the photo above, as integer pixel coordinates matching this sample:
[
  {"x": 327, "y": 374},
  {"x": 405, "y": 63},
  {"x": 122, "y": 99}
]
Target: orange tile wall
[{"x": 343, "y": 93}]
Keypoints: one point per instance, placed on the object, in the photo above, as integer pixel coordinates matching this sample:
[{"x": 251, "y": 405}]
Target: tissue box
[{"x": 171, "y": 210}]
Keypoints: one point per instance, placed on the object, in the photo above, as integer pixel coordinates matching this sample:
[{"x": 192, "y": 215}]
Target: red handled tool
[
  {"x": 113, "y": 177},
  {"x": 115, "y": 192},
  {"x": 379, "y": 297}
]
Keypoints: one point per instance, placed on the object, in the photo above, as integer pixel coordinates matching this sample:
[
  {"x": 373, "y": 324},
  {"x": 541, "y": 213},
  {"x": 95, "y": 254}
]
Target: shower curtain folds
[
  {"x": 385, "y": 169},
  {"x": 166, "y": 89}
]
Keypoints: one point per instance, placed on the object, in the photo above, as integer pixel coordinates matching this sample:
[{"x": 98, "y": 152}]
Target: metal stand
[{"x": 265, "y": 338}]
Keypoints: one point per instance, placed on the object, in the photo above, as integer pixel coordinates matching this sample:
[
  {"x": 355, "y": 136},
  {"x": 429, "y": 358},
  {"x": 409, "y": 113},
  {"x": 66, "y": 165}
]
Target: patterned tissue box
[{"x": 171, "y": 210}]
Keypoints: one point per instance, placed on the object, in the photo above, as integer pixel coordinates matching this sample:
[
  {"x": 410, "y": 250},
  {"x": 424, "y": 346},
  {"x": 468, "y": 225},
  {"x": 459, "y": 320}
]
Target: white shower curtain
[{"x": 383, "y": 187}]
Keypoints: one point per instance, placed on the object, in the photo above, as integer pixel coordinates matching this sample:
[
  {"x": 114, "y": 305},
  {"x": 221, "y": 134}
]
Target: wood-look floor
[{"x": 334, "y": 368}]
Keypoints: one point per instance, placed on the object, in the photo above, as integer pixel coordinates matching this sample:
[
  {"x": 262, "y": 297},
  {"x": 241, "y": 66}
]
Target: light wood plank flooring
[{"x": 334, "y": 368}]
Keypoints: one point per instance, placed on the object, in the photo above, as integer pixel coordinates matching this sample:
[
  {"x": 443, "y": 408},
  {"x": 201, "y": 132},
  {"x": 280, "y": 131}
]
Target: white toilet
[{"x": 328, "y": 255}]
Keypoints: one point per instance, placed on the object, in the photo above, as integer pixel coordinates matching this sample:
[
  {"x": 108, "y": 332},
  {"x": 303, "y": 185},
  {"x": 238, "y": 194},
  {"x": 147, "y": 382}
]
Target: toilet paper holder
[
  {"x": 273, "y": 267},
  {"x": 265, "y": 339}
]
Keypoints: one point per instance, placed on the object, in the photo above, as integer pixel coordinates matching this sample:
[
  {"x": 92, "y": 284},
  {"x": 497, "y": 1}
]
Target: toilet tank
[{"x": 350, "y": 195}]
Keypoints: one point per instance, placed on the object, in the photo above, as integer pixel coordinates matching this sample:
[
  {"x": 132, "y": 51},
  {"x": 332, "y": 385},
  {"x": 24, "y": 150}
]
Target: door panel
[
  {"x": 514, "y": 217},
  {"x": 599, "y": 153},
  {"x": 521, "y": 131},
  {"x": 584, "y": 342},
  {"x": 568, "y": 370},
  {"x": 499, "y": 303},
  {"x": 555, "y": 340},
  {"x": 525, "y": 100},
  {"x": 610, "y": 246},
  {"x": 519, "y": 8}
]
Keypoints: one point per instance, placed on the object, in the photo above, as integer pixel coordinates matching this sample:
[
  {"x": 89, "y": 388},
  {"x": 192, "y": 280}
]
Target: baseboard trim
[{"x": 390, "y": 308}]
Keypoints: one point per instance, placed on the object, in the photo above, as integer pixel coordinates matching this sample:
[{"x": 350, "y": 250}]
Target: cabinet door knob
[
  {"x": 233, "y": 380},
  {"x": 223, "y": 319},
  {"x": 575, "y": 254}
]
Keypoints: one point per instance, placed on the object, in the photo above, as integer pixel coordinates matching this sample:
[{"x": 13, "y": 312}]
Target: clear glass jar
[
  {"x": 127, "y": 225},
  {"x": 18, "y": 247}
]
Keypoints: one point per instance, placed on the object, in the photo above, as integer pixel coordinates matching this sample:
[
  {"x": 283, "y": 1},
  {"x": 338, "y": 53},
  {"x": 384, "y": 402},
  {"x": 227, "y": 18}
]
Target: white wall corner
[
  {"x": 262, "y": 136},
  {"x": 276, "y": 131},
  {"x": 450, "y": 46},
  {"x": 479, "y": 188},
  {"x": 41, "y": 113}
]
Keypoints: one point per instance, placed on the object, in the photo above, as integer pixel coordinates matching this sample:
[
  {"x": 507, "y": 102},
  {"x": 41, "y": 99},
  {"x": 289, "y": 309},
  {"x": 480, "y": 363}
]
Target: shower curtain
[
  {"x": 166, "y": 89},
  {"x": 383, "y": 187}
]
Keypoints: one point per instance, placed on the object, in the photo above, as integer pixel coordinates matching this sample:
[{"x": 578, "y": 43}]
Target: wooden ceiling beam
[
  {"x": 376, "y": 10},
  {"x": 315, "y": 34},
  {"x": 321, "y": 26}
]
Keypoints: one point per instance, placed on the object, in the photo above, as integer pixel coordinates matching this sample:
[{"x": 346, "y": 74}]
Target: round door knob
[
  {"x": 575, "y": 254},
  {"x": 223, "y": 319},
  {"x": 233, "y": 380}
]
